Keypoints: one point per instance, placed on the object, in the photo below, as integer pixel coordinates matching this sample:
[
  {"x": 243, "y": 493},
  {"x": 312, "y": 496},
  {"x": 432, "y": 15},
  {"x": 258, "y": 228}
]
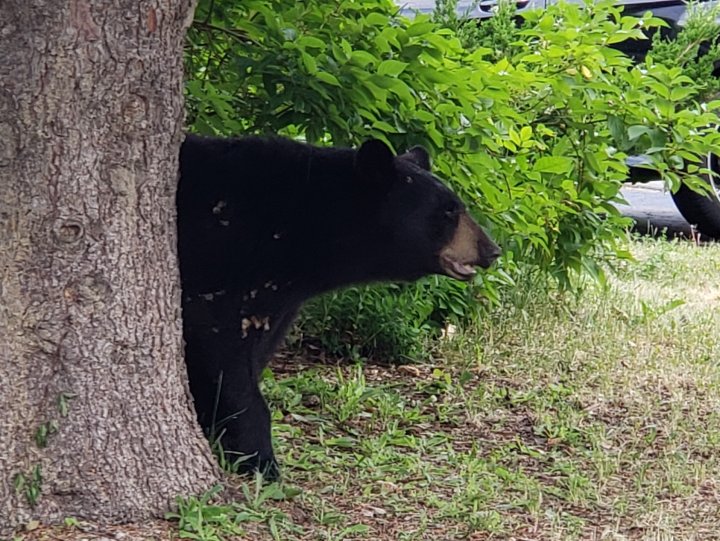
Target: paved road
[{"x": 653, "y": 210}]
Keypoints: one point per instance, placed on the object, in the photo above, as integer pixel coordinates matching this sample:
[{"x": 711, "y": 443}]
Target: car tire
[{"x": 700, "y": 210}]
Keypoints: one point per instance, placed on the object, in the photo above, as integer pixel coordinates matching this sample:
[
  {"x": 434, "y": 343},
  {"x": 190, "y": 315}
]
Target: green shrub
[
  {"x": 532, "y": 135},
  {"x": 696, "y": 48},
  {"x": 391, "y": 322},
  {"x": 499, "y": 33}
]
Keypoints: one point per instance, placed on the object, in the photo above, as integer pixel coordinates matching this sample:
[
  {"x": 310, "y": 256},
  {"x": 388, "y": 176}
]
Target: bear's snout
[{"x": 468, "y": 248}]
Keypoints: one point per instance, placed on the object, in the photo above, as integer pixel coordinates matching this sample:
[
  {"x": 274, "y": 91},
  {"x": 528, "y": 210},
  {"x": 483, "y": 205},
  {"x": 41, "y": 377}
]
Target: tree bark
[{"x": 95, "y": 415}]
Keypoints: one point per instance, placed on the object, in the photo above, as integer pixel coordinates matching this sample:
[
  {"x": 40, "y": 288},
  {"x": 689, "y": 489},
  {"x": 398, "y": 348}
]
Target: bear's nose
[{"x": 488, "y": 254}]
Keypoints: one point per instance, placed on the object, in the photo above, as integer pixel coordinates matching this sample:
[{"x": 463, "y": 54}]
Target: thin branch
[
  {"x": 209, "y": 13},
  {"x": 232, "y": 32}
]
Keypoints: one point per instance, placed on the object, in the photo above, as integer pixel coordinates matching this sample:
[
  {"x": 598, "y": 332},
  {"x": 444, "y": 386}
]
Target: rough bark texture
[{"x": 95, "y": 417}]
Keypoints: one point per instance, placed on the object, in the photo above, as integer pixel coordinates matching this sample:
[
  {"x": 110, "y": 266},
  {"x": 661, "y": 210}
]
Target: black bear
[{"x": 265, "y": 224}]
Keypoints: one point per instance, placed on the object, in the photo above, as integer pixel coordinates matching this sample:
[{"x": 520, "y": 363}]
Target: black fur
[{"x": 265, "y": 224}]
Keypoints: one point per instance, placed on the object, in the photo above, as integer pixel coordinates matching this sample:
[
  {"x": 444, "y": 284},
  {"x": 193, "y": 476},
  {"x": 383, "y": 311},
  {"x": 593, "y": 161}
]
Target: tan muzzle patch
[{"x": 469, "y": 247}]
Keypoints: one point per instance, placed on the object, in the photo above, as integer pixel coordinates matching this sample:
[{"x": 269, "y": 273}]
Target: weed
[
  {"x": 30, "y": 484},
  {"x": 44, "y": 431},
  {"x": 206, "y": 518}
]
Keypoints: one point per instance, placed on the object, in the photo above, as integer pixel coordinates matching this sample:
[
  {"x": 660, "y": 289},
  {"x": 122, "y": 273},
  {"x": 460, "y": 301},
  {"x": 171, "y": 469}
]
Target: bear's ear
[
  {"x": 375, "y": 161},
  {"x": 419, "y": 156}
]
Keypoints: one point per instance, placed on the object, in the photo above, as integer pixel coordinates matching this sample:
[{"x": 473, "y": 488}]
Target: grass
[{"x": 590, "y": 416}]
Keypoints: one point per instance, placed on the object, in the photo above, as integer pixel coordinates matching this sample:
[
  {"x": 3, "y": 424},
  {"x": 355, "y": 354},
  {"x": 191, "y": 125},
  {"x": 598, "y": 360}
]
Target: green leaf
[
  {"x": 392, "y": 68},
  {"x": 384, "y": 127},
  {"x": 309, "y": 62},
  {"x": 328, "y": 78},
  {"x": 420, "y": 28},
  {"x": 377, "y": 19},
  {"x": 679, "y": 93},
  {"x": 553, "y": 164},
  {"x": 362, "y": 58},
  {"x": 311, "y": 42},
  {"x": 635, "y": 132}
]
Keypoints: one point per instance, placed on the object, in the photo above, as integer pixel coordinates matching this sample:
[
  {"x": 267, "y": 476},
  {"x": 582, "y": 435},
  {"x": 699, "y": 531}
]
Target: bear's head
[{"x": 423, "y": 227}]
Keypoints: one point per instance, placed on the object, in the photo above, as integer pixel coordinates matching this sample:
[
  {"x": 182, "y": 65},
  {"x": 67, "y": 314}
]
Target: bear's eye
[{"x": 452, "y": 212}]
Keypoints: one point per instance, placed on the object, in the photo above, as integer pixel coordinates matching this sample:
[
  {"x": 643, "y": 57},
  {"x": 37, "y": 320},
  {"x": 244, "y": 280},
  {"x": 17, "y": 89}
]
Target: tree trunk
[{"x": 95, "y": 416}]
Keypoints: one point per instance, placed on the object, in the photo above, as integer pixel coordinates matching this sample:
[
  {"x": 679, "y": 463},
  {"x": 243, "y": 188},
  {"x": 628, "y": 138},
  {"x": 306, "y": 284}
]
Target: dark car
[{"x": 701, "y": 210}]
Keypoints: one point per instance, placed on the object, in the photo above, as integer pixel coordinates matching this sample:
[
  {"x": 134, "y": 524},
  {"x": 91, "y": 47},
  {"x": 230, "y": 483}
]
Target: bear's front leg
[
  {"x": 228, "y": 402},
  {"x": 243, "y": 426}
]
